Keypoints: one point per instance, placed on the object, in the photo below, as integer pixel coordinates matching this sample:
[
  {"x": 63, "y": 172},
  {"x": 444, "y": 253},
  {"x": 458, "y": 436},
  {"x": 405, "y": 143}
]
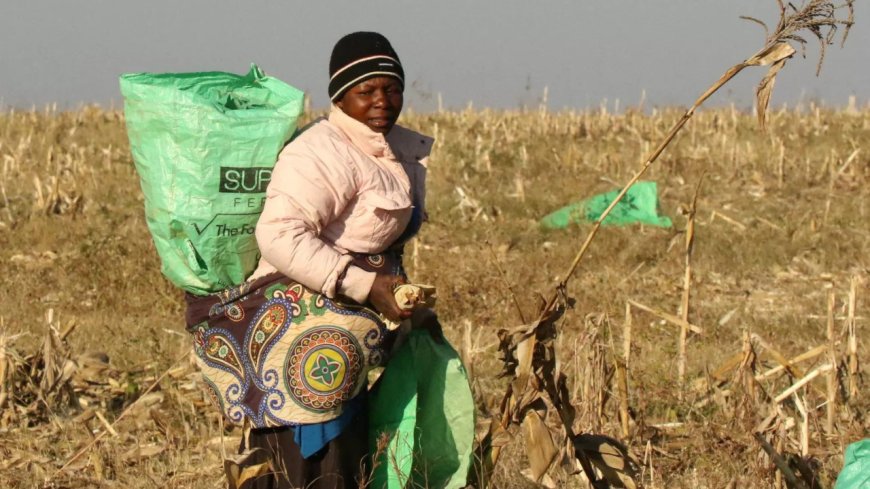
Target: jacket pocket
[{"x": 390, "y": 216}]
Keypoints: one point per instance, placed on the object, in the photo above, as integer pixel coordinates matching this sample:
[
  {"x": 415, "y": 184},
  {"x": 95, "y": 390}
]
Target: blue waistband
[{"x": 311, "y": 438}]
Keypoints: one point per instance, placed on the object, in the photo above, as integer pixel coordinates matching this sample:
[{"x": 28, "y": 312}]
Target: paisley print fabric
[{"x": 280, "y": 354}]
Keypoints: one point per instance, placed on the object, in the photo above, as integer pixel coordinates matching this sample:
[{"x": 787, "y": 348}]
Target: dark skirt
[{"x": 343, "y": 463}]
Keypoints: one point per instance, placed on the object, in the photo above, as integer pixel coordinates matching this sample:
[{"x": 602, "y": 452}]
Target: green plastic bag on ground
[
  {"x": 204, "y": 145},
  {"x": 856, "y": 467},
  {"x": 640, "y": 205},
  {"x": 421, "y": 418}
]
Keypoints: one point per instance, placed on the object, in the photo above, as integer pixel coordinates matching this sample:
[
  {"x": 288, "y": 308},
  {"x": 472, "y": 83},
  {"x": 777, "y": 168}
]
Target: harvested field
[{"x": 779, "y": 268}]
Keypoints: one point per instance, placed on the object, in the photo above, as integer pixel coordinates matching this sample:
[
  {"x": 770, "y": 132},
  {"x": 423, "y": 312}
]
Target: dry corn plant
[
  {"x": 33, "y": 386},
  {"x": 538, "y": 386}
]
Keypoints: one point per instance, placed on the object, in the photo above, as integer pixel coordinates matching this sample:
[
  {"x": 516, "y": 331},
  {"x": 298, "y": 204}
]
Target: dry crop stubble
[{"x": 778, "y": 225}]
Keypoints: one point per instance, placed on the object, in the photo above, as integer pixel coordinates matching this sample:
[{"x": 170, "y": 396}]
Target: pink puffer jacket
[{"x": 337, "y": 188}]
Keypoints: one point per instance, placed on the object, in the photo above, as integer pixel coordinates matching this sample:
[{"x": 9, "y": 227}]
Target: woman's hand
[{"x": 383, "y": 299}]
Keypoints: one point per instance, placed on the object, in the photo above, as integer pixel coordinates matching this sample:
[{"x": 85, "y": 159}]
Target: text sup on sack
[{"x": 245, "y": 180}]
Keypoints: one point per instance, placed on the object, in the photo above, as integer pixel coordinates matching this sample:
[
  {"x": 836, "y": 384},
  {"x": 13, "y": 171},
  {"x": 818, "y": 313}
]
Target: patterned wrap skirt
[{"x": 280, "y": 354}]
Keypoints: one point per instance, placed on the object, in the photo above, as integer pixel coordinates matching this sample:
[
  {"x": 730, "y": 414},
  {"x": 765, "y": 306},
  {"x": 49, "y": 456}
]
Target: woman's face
[{"x": 375, "y": 102}]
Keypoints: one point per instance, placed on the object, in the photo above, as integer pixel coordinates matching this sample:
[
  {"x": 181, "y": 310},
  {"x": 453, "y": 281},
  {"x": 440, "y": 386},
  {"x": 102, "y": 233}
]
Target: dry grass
[{"x": 781, "y": 222}]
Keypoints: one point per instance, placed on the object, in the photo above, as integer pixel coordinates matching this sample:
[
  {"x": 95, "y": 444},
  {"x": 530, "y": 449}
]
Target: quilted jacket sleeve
[{"x": 310, "y": 187}]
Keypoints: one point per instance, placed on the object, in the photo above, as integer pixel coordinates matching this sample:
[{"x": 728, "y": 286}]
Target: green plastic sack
[
  {"x": 856, "y": 467},
  {"x": 204, "y": 145},
  {"x": 640, "y": 205},
  {"x": 421, "y": 418}
]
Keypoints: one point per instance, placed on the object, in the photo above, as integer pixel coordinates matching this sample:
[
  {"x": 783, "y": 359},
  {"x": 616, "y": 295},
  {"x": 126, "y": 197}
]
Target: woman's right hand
[{"x": 382, "y": 297}]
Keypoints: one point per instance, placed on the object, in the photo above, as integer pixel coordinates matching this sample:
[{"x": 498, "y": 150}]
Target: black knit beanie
[{"x": 359, "y": 56}]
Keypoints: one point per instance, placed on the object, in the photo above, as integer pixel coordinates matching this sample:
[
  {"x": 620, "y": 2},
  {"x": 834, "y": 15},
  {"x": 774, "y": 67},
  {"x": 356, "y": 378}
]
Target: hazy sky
[{"x": 495, "y": 54}]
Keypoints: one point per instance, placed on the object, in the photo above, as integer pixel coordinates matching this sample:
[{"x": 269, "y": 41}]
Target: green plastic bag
[
  {"x": 421, "y": 418},
  {"x": 204, "y": 145},
  {"x": 640, "y": 205},
  {"x": 856, "y": 467}
]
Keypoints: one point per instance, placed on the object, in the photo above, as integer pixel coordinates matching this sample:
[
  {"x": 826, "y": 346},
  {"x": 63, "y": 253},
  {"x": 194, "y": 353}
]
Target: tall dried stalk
[
  {"x": 854, "y": 370},
  {"x": 831, "y": 406},
  {"x": 622, "y": 389},
  {"x": 624, "y": 418},
  {"x": 687, "y": 286},
  {"x": 780, "y": 447},
  {"x": 746, "y": 377},
  {"x": 5, "y": 366}
]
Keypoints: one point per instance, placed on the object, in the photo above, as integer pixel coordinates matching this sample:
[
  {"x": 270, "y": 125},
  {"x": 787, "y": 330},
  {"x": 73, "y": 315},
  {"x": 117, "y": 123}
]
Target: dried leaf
[
  {"x": 764, "y": 91},
  {"x": 493, "y": 431},
  {"x": 530, "y": 397},
  {"x": 545, "y": 481},
  {"x": 771, "y": 54},
  {"x": 148, "y": 400},
  {"x": 540, "y": 448},
  {"x": 99, "y": 468},
  {"x": 66, "y": 373},
  {"x": 12, "y": 462},
  {"x": 611, "y": 458},
  {"x": 86, "y": 415},
  {"x": 217, "y": 441},
  {"x": 93, "y": 368},
  {"x": 137, "y": 454},
  {"x": 248, "y": 465},
  {"x": 525, "y": 353}
]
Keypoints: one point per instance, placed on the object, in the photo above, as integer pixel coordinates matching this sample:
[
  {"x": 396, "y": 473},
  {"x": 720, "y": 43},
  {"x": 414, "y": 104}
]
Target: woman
[{"x": 288, "y": 351}]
